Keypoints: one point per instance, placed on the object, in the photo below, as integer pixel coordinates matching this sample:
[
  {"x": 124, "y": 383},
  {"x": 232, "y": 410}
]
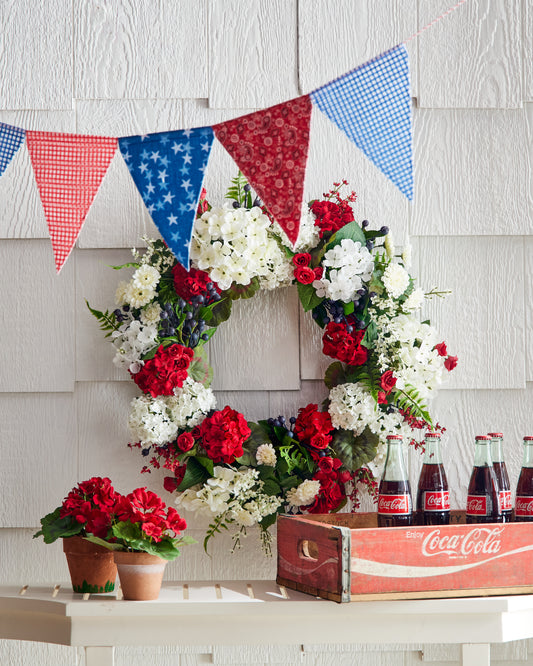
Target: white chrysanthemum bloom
[
  {"x": 407, "y": 255},
  {"x": 348, "y": 266},
  {"x": 151, "y": 314},
  {"x": 120, "y": 293},
  {"x": 146, "y": 276},
  {"x": 304, "y": 494},
  {"x": 266, "y": 455},
  {"x": 389, "y": 245},
  {"x": 414, "y": 300},
  {"x": 137, "y": 297},
  {"x": 395, "y": 279}
]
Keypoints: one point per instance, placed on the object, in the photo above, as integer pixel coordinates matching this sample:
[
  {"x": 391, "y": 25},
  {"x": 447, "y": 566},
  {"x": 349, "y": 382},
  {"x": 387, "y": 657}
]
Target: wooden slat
[
  {"x": 527, "y": 45},
  {"x": 529, "y": 307},
  {"x": 473, "y": 58},
  {"x": 256, "y": 42}
]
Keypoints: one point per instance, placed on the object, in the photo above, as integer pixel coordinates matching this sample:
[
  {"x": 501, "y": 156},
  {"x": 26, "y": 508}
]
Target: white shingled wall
[{"x": 121, "y": 67}]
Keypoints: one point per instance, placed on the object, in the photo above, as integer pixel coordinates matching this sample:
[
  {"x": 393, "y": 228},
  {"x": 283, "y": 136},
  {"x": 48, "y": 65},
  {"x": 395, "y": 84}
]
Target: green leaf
[
  {"x": 259, "y": 435},
  {"x": 308, "y": 297},
  {"x": 351, "y": 230},
  {"x": 237, "y": 291},
  {"x": 102, "y": 542},
  {"x": 130, "y": 264},
  {"x": 221, "y": 312},
  {"x": 195, "y": 473},
  {"x": 199, "y": 368},
  {"x": 320, "y": 315},
  {"x": 271, "y": 488},
  {"x": 355, "y": 451},
  {"x": 108, "y": 321},
  {"x": 269, "y": 520},
  {"x": 207, "y": 463},
  {"x": 348, "y": 308},
  {"x": 335, "y": 375},
  {"x": 53, "y": 527},
  {"x": 370, "y": 336}
]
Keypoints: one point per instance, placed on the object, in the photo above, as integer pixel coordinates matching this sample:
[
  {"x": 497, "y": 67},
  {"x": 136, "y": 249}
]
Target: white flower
[
  {"x": 407, "y": 255},
  {"x": 138, "y": 296},
  {"x": 266, "y": 455},
  {"x": 389, "y": 245},
  {"x": 304, "y": 494},
  {"x": 120, "y": 293},
  {"x": 348, "y": 265},
  {"x": 151, "y": 314},
  {"x": 146, "y": 277},
  {"x": 414, "y": 300},
  {"x": 396, "y": 280},
  {"x": 308, "y": 234}
]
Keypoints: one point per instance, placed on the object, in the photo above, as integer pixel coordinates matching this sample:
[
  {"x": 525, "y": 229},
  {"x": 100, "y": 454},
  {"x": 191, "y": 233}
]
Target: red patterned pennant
[
  {"x": 270, "y": 147},
  {"x": 69, "y": 169}
]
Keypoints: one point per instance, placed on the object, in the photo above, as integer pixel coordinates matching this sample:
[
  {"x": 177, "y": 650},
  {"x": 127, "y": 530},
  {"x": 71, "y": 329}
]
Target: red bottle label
[
  {"x": 505, "y": 501},
  {"x": 524, "y": 505},
  {"x": 394, "y": 505},
  {"x": 436, "y": 500},
  {"x": 476, "y": 505}
]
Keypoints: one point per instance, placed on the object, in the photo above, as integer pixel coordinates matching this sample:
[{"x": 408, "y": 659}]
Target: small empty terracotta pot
[{"x": 140, "y": 575}]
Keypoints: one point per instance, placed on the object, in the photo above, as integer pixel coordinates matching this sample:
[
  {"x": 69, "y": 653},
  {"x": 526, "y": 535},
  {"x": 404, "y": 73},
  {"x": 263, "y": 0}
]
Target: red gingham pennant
[
  {"x": 69, "y": 169},
  {"x": 270, "y": 147}
]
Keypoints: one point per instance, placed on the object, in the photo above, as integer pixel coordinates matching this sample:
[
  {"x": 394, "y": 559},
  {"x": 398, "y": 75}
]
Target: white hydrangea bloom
[
  {"x": 304, "y": 494},
  {"x": 146, "y": 277},
  {"x": 266, "y": 455},
  {"x": 396, "y": 279},
  {"x": 132, "y": 340},
  {"x": 191, "y": 403},
  {"x": 150, "y": 421},
  {"x": 348, "y": 266},
  {"x": 414, "y": 300}
]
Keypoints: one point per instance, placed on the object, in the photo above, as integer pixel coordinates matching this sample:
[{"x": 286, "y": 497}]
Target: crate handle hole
[{"x": 308, "y": 550}]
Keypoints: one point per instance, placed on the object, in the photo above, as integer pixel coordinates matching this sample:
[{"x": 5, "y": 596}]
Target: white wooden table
[{"x": 203, "y": 613}]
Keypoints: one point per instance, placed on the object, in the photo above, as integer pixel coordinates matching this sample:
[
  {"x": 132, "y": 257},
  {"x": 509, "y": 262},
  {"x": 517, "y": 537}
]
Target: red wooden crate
[{"x": 345, "y": 557}]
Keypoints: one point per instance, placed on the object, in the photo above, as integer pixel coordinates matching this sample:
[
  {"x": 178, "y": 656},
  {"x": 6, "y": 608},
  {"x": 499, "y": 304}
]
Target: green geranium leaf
[
  {"x": 308, "y": 297},
  {"x": 269, "y": 520},
  {"x": 195, "y": 473},
  {"x": 237, "y": 291},
  {"x": 370, "y": 336},
  {"x": 220, "y": 312},
  {"x": 207, "y": 463},
  {"x": 102, "y": 542},
  {"x": 259, "y": 435},
  {"x": 53, "y": 527},
  {"x": 335, "y": 375},
  {"x": 271, "y": 488},
  {"x": 351, "y": 230},
  {"x": 199, "y": 369},
  {"x": 355, "y": 451}
]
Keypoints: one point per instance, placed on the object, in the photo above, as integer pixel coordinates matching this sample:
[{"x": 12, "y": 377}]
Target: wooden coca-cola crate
[{"x": 346, "y": 557}]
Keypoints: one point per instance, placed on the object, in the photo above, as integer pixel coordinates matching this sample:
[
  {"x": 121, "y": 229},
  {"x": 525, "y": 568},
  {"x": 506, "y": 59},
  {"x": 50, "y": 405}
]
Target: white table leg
[
  {"x": 476, "y": 654},
  {"x": 99, "y": 656}
]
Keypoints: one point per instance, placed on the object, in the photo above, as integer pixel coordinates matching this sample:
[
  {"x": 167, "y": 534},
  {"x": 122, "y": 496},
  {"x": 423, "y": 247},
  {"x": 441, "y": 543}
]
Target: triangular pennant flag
[
  {"x": 69, "y": 169},
  {"x": 168, "y": 169},
  {"x": 270, "y": 147},
  {"x": 11, "y": 139},
  {"x": 372, "y": 105}
]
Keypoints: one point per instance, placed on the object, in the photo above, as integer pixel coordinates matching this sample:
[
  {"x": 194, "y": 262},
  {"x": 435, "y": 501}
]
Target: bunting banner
[
  {"x": 68, "y": 169},
  {"x": 372, "y": 105},
  {"x": 168, "y": 169},
  {"x": 11, "y": 139},
  {"x": 270, "y": 147}
]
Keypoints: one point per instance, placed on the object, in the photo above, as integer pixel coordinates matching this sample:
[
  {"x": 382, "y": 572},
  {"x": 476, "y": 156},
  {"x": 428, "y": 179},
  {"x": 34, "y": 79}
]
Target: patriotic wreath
[{"x": 387, "y": 363}]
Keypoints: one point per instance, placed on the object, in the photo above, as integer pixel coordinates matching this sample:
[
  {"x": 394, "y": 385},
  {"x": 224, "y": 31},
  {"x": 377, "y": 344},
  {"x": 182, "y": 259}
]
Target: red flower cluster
[
  {"x": 203, "y": 205},
  {"x": 91, "y": 503},
  {"x": 189, "y": 284},
  {"x": 303, "y": 273},
  {"x": 331, "y": 216},
  {"x": 145, "y": 507},
  {"x": 223, "y": 434},
  {"x": 451, "y": 361},
  {"x": 387, "y": 383},
  {"x": 344, "y": 346},
  {"x": 165, "y": 372},
  {"x": 332, "y": 491},
  {"x": 313, "y": 428}
]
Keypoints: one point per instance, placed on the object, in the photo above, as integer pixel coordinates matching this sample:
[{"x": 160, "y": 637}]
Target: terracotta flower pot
[
  {"x": 140, "y": 575},
  {"x": 92, "y": 568}
]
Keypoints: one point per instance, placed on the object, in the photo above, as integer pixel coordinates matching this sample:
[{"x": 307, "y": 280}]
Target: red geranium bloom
[
  {"x": 330, "y": 216},
  {"x": 344, "y": 346},
  {"x": 165, "y": 372},
  {"x": 189, "y": 284},
  {"x": 450, "y": 363},
  {"x": 223, "y": 434},
  {"x": 92, "y": 504},
  {"x": 313, "y": 428},
  {"x": 441, "y": 349},
  {"x": 332, "y": 491}
]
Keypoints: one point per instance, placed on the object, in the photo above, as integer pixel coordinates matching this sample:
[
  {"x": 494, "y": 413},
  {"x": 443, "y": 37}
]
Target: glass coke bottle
[
  {"x": 500, "y": 469},
  {"x": 433, "y": 497},
  {"x": 395, "y": 506},
  {"x": 482, "y": 504},
  {"x": 523, "y": 510}
]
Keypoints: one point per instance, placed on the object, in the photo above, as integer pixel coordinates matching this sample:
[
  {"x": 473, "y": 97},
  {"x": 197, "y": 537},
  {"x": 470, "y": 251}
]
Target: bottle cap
[
  {"x": 495, "y": 434},
  {"x": 432, "y": 435},
  {"x": 394, "y": 437},
  {"x": 528, "y": 439},
  {"x": 482, "y": 438}
]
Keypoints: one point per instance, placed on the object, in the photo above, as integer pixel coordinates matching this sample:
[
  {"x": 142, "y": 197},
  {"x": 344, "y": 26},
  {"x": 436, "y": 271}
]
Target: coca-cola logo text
[
  {"x": 476, "y": 505},
  {"x": 505, "y": 501},
  {"x": 524, "y": 506},
  {"x": 438, "y": 500},
  {"x": 394, "y": 504},
  {"x": 480, "y": 540}
]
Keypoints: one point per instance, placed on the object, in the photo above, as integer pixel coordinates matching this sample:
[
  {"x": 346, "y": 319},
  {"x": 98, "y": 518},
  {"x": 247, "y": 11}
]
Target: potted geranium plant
[
  {"x": 85, "y": 512},
  {"x": 144, "y": 535}
]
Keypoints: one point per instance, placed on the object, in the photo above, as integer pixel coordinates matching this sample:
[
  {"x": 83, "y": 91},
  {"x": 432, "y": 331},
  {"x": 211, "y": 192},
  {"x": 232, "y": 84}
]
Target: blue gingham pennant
[
  {"x": 372, "y": 105},
  {"x": 11, "y": 139},
  {"x": 168, "y": 169}
]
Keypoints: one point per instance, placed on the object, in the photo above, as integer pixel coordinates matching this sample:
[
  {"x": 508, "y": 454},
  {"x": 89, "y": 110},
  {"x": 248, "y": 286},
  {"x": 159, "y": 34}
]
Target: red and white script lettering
[
  {"x": 505, "y": 501},
  {"x": 476, "y": 505},
  {"x": 436, "y": 500},
  {"x": 484, "y": 540},
  {"x": 524, "y": 505},
  {"x": 395, "y": 505}
]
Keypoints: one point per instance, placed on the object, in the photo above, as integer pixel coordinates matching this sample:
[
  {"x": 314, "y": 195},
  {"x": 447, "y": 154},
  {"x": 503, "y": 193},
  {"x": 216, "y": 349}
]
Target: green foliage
[
  {"x": 53, "y": 527},
  {"x": 195, "y": 473},
  {"x": 237, "y": 291},
  {"x": 131, "y": 536},
  {"x": 220, "y": 523},
  {"x": 320, "y": 314},
  {"x": 220, "y": 312},
  {"x": 108, "y": 321},
  {"x": 308, "y": 297},
  {"x": 355, "y": 451},
  {"x": 199, "y": 368},
  {"x": 238, "y": 193},
  {"x": 334, "y": 375},
  {"x": 296, "y": 458},
  {"x": 166, "y": 290},
  {"x": 370, "y": 336},
  {"x": 351, "y": 230},
  {"x": 409, "y": 400},
  {"x": 368, "y": 375}
]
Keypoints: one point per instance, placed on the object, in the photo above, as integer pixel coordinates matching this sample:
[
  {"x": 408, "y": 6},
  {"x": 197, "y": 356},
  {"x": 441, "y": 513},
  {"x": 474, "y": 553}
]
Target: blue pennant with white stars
[{"x": 168, "y": 169}]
